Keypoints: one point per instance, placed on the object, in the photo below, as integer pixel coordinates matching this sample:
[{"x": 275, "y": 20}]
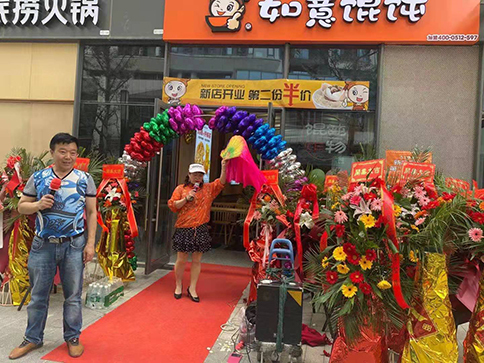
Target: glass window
[
  {"x": 119, "y": 85},
  {"x": 343, "y": 64},
  {"x": 226, "y": 62},
  {"x": 328, "y": 140}
]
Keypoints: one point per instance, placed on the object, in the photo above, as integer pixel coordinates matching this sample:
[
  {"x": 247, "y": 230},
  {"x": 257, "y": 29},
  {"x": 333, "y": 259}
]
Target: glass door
[{"x": 162, "y": 171}]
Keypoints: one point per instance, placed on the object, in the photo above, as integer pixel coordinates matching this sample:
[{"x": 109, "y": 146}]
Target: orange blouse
[{"x": 197, "y": 212}]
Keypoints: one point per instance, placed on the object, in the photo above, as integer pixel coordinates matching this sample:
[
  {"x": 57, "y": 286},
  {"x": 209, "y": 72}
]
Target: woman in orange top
[{"x": 192, "y": 201}]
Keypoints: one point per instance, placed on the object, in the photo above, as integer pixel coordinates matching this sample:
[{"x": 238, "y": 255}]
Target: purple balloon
[
  {"x": 187, "y": 110},
  {"x": 200, "y": 123},
  {"x": 221, "y": 110},
  {"x": 248, "y": 132},
  {"x": 244, "y": 123},
  {"x": 258, "y": 123},
  {"x": 231, "y": 111},
  {"x": 173, "y": 125},
  {"x": 171, "y": 111},
  {"x": 196, "y": 110},
  {"x": 183, "y": 129},
  {"x": 211, "y": 123},
  {"x": 178, "y": 116},
  {"x": 190, "y": 123}
]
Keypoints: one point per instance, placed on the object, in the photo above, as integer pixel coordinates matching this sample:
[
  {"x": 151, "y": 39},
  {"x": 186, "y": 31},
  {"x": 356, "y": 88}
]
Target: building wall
[
  {"x": 37, "y": 87},
  {"x": 429, "y": 98}
]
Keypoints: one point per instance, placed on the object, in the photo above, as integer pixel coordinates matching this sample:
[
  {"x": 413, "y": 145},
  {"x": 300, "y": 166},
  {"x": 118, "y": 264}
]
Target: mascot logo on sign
[
  {"x": 175, "y": 90},
  {"x": 225, "y": 15}
]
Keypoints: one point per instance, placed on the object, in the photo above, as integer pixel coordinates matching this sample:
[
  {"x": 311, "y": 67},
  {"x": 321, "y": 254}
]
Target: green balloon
[
  {"x": 163, "y": 140},
  {"x": 317, "y": 177},
  {"x": 155, "y": 127},
  {"x": 147, "y": 126},
  {"x": 165, "y": 117}
]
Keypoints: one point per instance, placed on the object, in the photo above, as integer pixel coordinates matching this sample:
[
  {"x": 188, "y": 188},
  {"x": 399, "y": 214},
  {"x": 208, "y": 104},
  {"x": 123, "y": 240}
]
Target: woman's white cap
[{"x": 196, "y": 168}]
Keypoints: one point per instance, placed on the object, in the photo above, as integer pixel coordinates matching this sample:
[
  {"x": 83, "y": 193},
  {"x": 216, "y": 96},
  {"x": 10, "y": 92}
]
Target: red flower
[
  {"x": 356, "y": 199},
  {"x": 377, "y": 183},
  {"x": 349, "y": 248},
  {"x": 370, "y": 196},
  {"x": 365, "y": 288},
  {"x": 352, "y": 187},
  {"x": 431, "y": 192},
  {"x": 353, "y": 258},
  {"x": 397, "y": 189},
  {"x": 289, "y": 214},
  {"x": 379, "y": 221},
  {"x": 332, "y": 277},
  {"x": 370, "y": 255},
  {"x": 432, "y": 205},
  {"x": 356, "y": 277},
  {"x": 340, "y": 230},
  {"x": 477, "y": 217},
  {"x": 136, "y": 194},
  {"x": 448, "y": 196},
  {"x": 410, "y": 270},
  {"x": 12, "y": 160}
]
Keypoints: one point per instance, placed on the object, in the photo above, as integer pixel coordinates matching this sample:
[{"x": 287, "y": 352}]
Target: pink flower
[
  {"x": 419, "y": 194},
  {"x": 257, "y": 215},
  {"x": 419, "y": 221},
  {"x": 423, "y": 201},
  {"x": 475, "y": 234},
  {"x": 358, "y": 190},
  {"x": 347, "y": 196},
  {"x": 376, "y": 204},
  {"x": 340, "y": 217},
  {"x": 419, "y": 188},
  {"x": 356, "y": 199}
]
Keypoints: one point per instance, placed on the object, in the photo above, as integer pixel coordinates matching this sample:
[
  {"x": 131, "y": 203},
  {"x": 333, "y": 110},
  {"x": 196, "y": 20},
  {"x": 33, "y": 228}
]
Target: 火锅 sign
[{"x": 323, "y": 21}]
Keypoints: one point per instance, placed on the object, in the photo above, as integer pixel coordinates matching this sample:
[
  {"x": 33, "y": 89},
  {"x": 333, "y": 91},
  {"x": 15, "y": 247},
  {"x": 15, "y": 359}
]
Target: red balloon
[
  {"x": 137, "y": 148},
  {"x": 128, "y": 149},
  {"x": 130, "y": 248},
  {"x": 146, "y": 153},
  {"x": 130, "y": 255},
  {"x": 138, "y": 137},
  {"x": 138, "y": 156},
  {"x": 145, "y": 135},
  {"x": 129, "y": 243}
]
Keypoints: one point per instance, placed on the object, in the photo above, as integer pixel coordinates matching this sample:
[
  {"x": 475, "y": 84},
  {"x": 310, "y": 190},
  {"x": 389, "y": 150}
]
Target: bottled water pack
[{"x": 103, "y": 293}]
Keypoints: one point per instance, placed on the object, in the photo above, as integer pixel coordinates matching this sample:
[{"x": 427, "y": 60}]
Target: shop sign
[
  {"x": 326, "y": 21},
  {"x": 334, "y": 136},
  {"x": 332, "y": 95},
  {"x": 203, "y": 150},
  {"x": 43, "y": 12}
]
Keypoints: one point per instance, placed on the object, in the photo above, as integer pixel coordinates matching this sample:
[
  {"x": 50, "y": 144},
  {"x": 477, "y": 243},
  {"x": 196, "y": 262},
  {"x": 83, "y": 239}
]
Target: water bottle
[
  {"x": 104, "y": 292},
  {"x": 88, "y": 296},
  {"x": 97, "y": 296}
]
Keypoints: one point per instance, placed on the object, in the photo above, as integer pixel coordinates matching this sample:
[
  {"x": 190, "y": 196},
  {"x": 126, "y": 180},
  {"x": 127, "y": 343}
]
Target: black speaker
[{"x": 268, "y": 312}]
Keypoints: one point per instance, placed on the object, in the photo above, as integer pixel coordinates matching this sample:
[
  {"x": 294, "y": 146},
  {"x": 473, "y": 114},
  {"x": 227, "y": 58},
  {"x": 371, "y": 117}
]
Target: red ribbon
[
  {"x": 323, "y": 242},
  {"x": 253, "y": 206},
  {"x": 389, "y": 220},
  {"x": 308, "y": 194},
  {"x": 13, "y": 183},
  {"x": 129, "y": 207}
]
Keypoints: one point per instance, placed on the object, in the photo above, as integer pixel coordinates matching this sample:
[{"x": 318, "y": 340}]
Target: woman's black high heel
[
  {"x": 178, "y": 296},
  {"x": 194, "y": 299}
]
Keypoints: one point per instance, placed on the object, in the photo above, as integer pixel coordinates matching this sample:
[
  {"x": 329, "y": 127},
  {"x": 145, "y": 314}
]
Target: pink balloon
[
  {"x": 183, "y": 129},
  {"x": 178, "y": 116},
  {"x": 187, "y": 110},
  {"x": 196, "y": 110},
  {"x": 211, "y": 123}
]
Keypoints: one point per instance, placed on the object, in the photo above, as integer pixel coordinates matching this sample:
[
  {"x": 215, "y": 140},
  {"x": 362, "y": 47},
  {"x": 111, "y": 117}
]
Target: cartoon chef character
[
  {"x": 230, "y": 9},
  {"x": 175, "y": 90},
  {"x": 358, "y": 94}
]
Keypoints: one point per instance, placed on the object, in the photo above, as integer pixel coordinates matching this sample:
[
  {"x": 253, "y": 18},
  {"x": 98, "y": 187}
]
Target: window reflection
[
  {"x": 254, "y": 63},
  {"x": 328, "y": 140},
  {"x": 119, "y": 86}
]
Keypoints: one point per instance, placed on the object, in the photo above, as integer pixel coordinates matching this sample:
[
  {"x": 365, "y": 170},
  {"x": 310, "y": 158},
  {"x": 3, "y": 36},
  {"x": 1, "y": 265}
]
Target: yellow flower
[
  {"x": 342, "y": 268},
  {"x": 339, "y": 254},
  {"x": 349, "y": 290},
  {"x": 384, "y": 285},
  {"x": 368, "y": 220},
  {"x": 412, "y": 257},
  {"x": 481, "y": 206},
  {"x": 365, "y": 264},
  {"x": 397, "y": 210},
  {"x": 441, "y": 200},
  {"x": 335, "y": 206},
  {"x": 415, "y": 228},
  {"x": 325, "y": 262}
]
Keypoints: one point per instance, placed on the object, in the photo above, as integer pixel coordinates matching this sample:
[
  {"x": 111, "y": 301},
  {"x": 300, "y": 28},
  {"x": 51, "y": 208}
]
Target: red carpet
[{"x": 154, "y": 327}]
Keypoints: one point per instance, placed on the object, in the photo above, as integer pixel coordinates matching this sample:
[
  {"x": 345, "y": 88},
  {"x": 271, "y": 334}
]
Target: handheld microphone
[
  {"x": 196, "y": 186},
  {"x": 54, "y": 186}
]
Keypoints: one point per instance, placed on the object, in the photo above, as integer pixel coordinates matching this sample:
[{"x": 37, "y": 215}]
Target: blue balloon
[
  {"x": 261, "y": 131},
  {"x": 261, "y": 141},
  {"x": 271, "y": 132},
  {"x": 264, "y": 149},
  {"x": 251, "y": 139}
]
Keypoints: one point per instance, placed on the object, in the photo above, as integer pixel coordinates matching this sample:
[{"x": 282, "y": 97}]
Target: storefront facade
[{"x": 101, "y": 79}]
